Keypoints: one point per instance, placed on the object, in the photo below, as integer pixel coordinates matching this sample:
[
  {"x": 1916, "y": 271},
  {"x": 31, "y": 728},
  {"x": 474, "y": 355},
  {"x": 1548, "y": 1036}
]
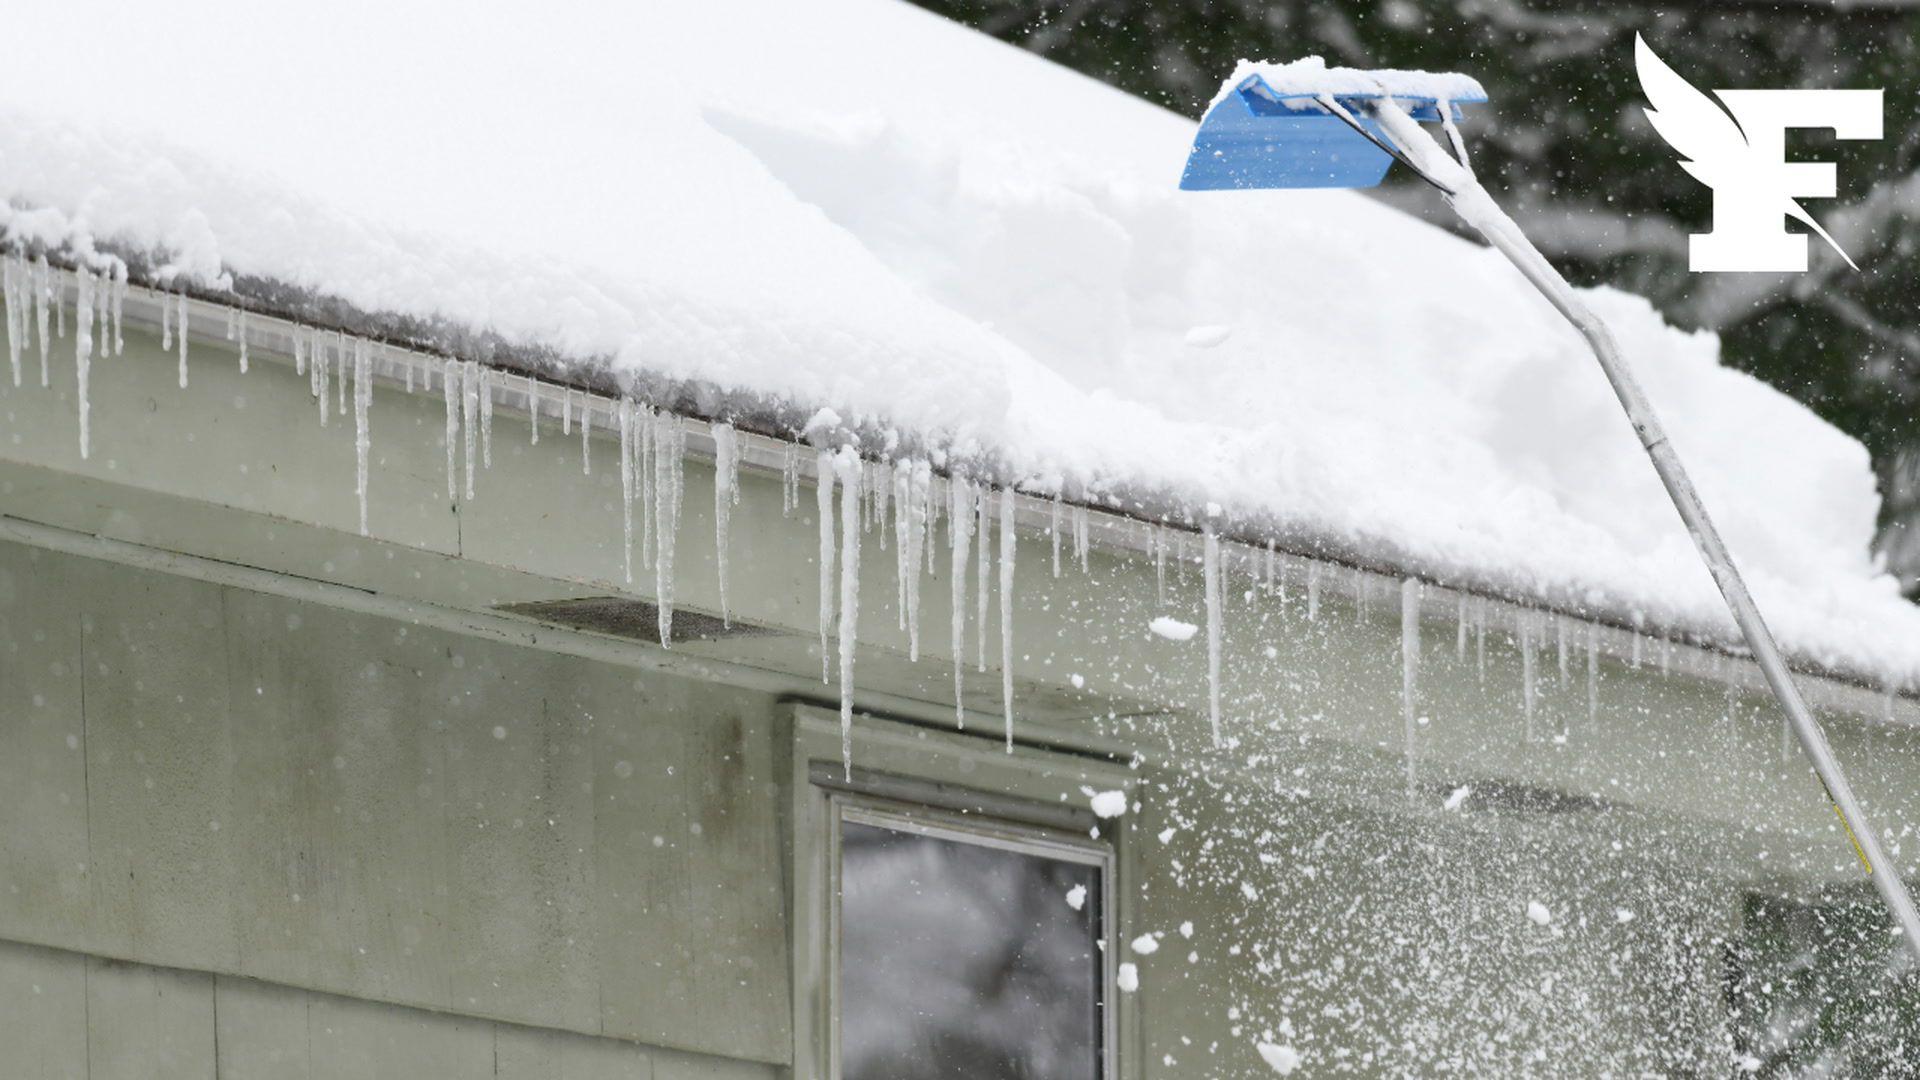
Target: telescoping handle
[{"x": 1455, "y": 179}]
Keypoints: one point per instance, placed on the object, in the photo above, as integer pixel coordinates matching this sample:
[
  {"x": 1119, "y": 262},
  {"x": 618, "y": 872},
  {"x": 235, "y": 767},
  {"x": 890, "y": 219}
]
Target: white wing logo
[{"x": 1746, "y": 167}]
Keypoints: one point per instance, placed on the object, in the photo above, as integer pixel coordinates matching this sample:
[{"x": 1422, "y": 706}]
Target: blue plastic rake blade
[{"x": 1254, "y": 138}]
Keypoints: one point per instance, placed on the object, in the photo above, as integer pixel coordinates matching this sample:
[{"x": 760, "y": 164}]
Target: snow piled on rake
[{"x": 952, "y": 244}]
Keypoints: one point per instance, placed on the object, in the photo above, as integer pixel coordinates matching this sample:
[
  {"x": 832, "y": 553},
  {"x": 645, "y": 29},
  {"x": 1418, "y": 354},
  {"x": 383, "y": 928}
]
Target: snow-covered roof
[{"x": 853, "y": 204}]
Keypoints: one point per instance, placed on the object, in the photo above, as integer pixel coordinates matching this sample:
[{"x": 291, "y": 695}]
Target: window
[
  {"x": 965, "y": 950},
  {"x": 956, "y": 910}
]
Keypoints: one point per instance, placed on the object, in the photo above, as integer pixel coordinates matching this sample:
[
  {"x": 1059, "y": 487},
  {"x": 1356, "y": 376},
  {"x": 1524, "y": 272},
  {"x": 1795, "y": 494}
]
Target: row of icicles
[{"x": 906, "y": 494}]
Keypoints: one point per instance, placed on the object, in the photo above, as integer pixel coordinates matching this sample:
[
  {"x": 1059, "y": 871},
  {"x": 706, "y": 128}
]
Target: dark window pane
[{"x": 960, "y": 960}]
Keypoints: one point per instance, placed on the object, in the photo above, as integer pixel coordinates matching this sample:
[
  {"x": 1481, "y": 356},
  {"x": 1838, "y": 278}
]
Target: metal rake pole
[{"x": 1500, "y": 230}]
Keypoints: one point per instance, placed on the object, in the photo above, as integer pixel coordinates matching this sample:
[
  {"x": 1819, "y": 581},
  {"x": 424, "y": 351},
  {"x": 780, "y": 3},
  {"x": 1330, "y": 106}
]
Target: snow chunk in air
[
  {"x": 1172, "y": 629},
  {"x": 1281, "y": 1059}
]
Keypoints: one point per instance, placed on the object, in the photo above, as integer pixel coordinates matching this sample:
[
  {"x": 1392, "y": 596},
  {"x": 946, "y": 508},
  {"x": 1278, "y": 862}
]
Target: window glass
[
  {"x": 1823, "y": 990},
  {"x": 964, "y": 957}
]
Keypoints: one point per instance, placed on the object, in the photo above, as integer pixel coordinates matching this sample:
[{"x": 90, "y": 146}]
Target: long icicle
[
  {"x": 1008, "y": 541},
  {"x": 823, "y": 506},
  {"x": 626, "y": 488},
  {"x": 960, "y": 532},
  {"x": 9, "y": 283},
  {"x": 669, "y": 489},
  {"x": 848, "y": 465},
  {"x": 362, "y": 437},
  {"x": 919, "y": 496},
  {"x": 903, "y": 566},
  {"x": 119, "y": 306},
  {"x": 984, "y": 592},
  {"x": 42, "y": 308},
  {"x": 643, "y": 478},
  {"x": 726, "y": 493},
  {"x": 586, "y": 434},
  {"x": 180, "y": 299},
  {"x": 533, "y": 411},
  {"x": 83, "y": 353},
  {"x": 1210, "y": 557},
  {"x": 450, "y": 391},
  {"x": 469, "y": 416},
  {"x": 486, "y": 415},
  {"x": 241, "y": 332}
]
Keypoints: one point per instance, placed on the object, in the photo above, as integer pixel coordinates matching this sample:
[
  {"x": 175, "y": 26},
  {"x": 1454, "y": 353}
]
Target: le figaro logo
[{"x": 1741, "y": 153}]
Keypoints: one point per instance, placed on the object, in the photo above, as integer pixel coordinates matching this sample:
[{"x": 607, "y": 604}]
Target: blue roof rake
[
  {"x": 1257, "y": 137},
  {"x": 1307, "y": 125}
]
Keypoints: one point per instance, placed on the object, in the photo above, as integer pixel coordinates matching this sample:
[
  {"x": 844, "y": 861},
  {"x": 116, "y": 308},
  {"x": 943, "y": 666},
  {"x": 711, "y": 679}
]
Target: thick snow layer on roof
[{"x": 851, "y": 203}]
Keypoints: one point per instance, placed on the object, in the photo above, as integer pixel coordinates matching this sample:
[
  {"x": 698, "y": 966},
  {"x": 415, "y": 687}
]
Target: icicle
[
  {"x": 625, "y": 414},
  {"x": 960, "y": 531},
  {"x": 299, "y": 337},
  {"x": 1313, "y": 592},
  {"x": 1460, "y": 628},
  {"x": 362, "y": 439},
  {"x": 823, "y": 506},
  {"x": 669, "y": 491},
  {"x": 59, "y": 304},
  {"x": 930, "y": 505},
  {"x": 848, "y": 466},
  {"x": 1158, "y": 538},
  {"x": 1593, "y": 674},
  {"x": 1410, "y": 669},
  {"x": 566, "y": 410},
  {"x": 533, "y": 411},
  {"x": 881, "y": 477},
  {"x": 919, "y": 496},
  {"x": 10, "y": 284},
  {"x": 1009, "y": 539},
  {"x": 242, "y": 332},
  {"x": 181, "y": 301},
  {"x": 42, "y": 286},
  {"x": 586, "y": 435},
  {"x": 486, "y": 416},
  {"x": 119, "y": 306},
  {"x": 790, "y": 480},
  {"x": 905, "y": 566},
  {"x": 1480, "y": 640},
  {"x": 450, "y": 389},
  {"x": 318, "y": 345},
  {"x": 470, "y": 418},
  {"x": 83, "y": 351},
  {"x": 406, "y": 365},
  {"x": 982, "y": 593},
  {"x": 1529, "y": 687},
  {"x": 726, "y": 492},
  {"x": 340, "y": 362},
  {"x": 1269, "y": 571},
  {"x": 1053, "y": 533},
  {"x": 1081, "y": 545},
  {"x": 1560, "y": 637},
  {"x": 1210, "y": 560},
  {"x": 103, "y": 314},
  {"x": 643, "y": 479}
]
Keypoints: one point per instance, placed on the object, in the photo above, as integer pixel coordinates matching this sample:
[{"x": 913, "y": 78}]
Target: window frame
[{"x": 954, "y": 786}]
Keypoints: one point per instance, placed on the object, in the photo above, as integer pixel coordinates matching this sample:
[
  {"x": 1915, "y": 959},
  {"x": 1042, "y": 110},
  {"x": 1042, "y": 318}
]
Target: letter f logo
[{"x": 1743, "y": 158}]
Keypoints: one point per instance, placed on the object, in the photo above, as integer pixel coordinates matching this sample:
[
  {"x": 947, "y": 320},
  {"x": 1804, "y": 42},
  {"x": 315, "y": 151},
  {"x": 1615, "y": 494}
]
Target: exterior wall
[
  {"x": 211, "y": 779},
  {"x": 68, "y": 1016}
]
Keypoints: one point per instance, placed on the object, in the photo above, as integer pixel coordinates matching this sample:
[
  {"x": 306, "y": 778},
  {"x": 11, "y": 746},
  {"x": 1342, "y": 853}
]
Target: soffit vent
[{"x": 637, "y": 619}]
